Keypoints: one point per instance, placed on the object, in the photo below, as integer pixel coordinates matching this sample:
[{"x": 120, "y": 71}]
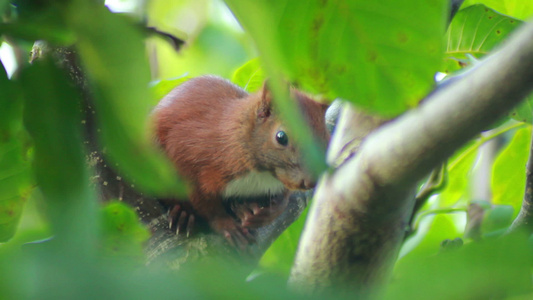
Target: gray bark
[{"x": 524, "y": 220}]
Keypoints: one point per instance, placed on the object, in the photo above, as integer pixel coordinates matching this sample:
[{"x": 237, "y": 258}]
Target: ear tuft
[{"x": 265, "y": 106}]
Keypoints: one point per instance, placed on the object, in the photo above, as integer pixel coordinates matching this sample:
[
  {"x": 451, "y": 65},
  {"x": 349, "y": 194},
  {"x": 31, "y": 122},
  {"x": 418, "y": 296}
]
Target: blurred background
[{"x": 216, "y": 44}]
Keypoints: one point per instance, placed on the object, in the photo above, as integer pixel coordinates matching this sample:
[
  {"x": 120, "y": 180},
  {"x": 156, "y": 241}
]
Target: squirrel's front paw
[
  {"x": 238, "y": 236},
  {"x": 254, "y": 214},
  {"x": 181, "y": 219}
]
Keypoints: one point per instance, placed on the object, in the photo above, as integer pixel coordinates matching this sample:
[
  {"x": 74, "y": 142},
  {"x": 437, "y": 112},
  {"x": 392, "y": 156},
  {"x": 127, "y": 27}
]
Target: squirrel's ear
[{"x": 265, "y": 106}]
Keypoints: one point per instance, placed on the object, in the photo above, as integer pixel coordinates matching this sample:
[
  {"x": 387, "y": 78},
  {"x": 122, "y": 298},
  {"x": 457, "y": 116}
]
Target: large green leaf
[
  {"x": 113, "y": 54},
  {"x": 373, "y": 53},
  {"x": 52, "y": 117},
  {"x": 14, "y": 171},
  {"x": 509, "y": 171},
  {"x": 520, "y": 9},
  {"x": 475, "y": 30}
]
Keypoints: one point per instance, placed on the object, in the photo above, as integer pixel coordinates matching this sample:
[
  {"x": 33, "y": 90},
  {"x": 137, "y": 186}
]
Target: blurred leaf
[
  {"x": 38, "y": 20},
  {"x": 515, "y": 8},
  {"x": 280, "y": 256},
  {"x": 250, "y": 76},
  {"x": 123, "y": 235},
  {"x": 33, "y": 226},
  {"x": 524, "y": 111},
  {"x": 3, "y": 5},
  {"x": 113, "y": 54},
  {"x": 497, "y": 268},
  {"x": 37, "y": 31},
  {"x": 508, "y": 173},
  {"x": 52, "y": 117},
  {"x": 11, "y": 112},
  {"x": 14, "y": 187},
  {"x": 371, "y": 53},
  {"x": 215, "y": 43},
  {"x": 162, "y": 87},
  {"x": 459, "y": 168},
  {"x": 14, "y": 171},
  {"x": 497, "y": 218},
  {"x": 427, "y": 240}
]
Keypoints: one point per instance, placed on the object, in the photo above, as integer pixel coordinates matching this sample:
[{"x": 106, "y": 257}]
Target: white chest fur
[{"x": 254, "y": 184}]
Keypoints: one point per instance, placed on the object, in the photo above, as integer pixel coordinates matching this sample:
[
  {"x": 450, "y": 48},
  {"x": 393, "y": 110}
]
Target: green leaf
[
  {"x": 52, "y": 117},
  {"x": 508, "y": 173},
  {"x": 524, "y": 111},
  {"x": 122, "y": 233},
  {"x": 459, "y": 168},
  {"x": 249, "y": 76},
  {"x": 427, "y": 239},
  {"x": 474, "y": 271},
  {"x": 374, "y": 54},
  {"x": 520, "y": 9},
  {"x": 162, "y": 87},
  {"x": 14, "y": 171},
  {"x": 38, "y": 20},
  {"x": 14, "y": 187},
  {"x": 3, "y": 5},
  {"x": 37, "y": 31},
  {"x": 477, "y": 30},
  {"x": 113, "y": 54}
]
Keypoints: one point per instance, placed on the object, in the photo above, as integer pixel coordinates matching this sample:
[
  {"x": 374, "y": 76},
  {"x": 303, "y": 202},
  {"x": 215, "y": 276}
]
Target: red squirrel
[{"x": 231, "y": 144}]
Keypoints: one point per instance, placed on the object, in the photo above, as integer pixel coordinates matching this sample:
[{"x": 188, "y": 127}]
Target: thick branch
[
  {"x": 524, "y": 220},
  {"x": 357, "y": 221}
]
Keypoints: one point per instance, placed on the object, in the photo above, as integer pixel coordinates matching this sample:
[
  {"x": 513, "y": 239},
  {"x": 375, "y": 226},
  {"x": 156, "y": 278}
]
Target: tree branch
[
  {"x": 357, "y": 221},
  {"x": 524, "y": 220}
]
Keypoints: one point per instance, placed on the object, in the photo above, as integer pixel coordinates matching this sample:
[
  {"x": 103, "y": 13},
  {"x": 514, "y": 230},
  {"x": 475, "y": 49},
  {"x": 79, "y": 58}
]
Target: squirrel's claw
[{"x": 181, "y": 220}]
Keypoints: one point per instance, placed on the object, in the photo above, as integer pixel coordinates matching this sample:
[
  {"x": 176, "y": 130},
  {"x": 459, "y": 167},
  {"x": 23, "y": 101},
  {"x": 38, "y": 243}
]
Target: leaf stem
[
  {"x": 436, "y": 212},
  {"x": 482, "y": 140}
]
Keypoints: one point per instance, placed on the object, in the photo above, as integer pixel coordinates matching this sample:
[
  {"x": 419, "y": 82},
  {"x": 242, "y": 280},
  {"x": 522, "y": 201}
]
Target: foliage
[
  {"x": 400, "y": 53},
  {"x": 508, "y": 183},
  {"x": 250, "y": 76},
  {"x": 122, "y": 234},
  {"x": 14, "y": 172},
  {"x": 373, "y": 54}
]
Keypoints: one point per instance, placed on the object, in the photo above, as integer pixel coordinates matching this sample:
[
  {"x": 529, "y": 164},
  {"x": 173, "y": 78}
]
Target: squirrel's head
[{"x": 278, "y": 151}]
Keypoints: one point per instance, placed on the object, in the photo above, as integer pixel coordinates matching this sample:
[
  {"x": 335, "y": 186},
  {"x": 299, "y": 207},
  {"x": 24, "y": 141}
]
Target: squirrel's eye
[{"x": 282, "y": 138}]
